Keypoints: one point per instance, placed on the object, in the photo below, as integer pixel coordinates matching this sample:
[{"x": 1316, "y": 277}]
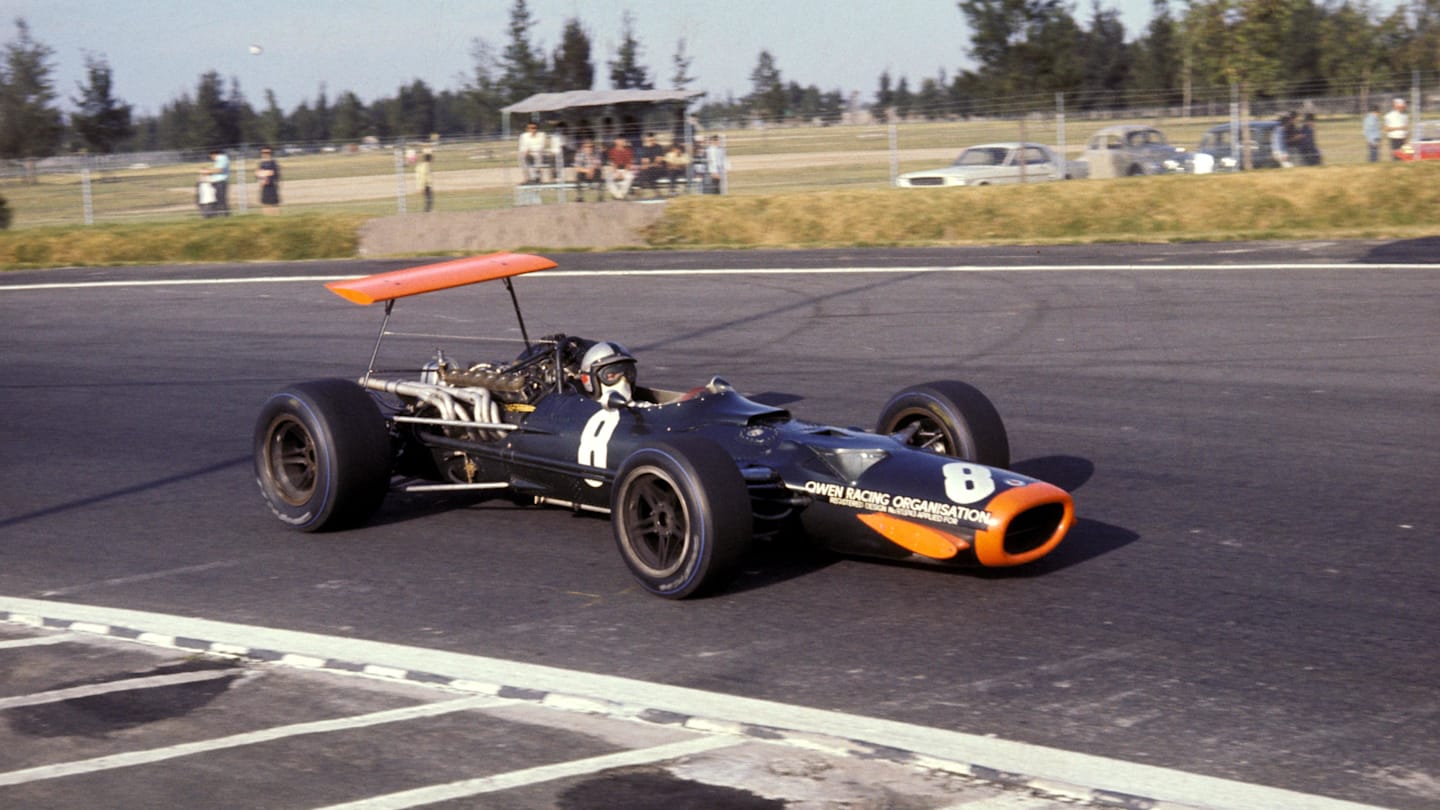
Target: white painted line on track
[
  {"x": 37, "y": 641},
  {"x": 742, "y": 271},
  {"x": 176, "y": 282},
  {"x": 153, "y": 755},
  {"x": 538, "y": 774},
  {"x": 1007, "y": 801},
  {"x": 110, "y": 687},
  {"x": 130, "y": 580},
  {"x": 630, "y": 696}
]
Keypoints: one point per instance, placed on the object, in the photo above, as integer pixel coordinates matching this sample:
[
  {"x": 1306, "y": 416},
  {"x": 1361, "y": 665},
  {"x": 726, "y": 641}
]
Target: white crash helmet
[{"x": 608, "y": 367}]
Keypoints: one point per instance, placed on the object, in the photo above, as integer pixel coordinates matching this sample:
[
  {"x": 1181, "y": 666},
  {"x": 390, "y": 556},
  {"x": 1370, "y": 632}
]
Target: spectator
[
  {"x": 1371, "y": 129},
  {"x": 1281, "y": 139},
  {"x": 424, "y": 178},
  {"x": 649, "y": 159},
  {"x": 677, "y": 166},
  {"x": 218, "y": 176},
  {"x": 622, "y": 174},
  {"x": 588, "y": 171},
  {"x": 559, "y": 150},
  {"x": 205, "y": 196},
  {"x": 267, "y": 175},
  {"x": 1308, "y": 150},
  {"x": 1397, "y": 126},
  {"x": 714, "y": 166},
  {"x": 532, "y": 152}
]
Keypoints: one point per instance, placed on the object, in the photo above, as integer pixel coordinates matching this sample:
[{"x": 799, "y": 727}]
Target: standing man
[
  {"x": 268, "y": 176},
  {"x": 1280, "y": 139},
  {"x": 532, "y": 152},
  {"x": 424, "y": 179},
  {"x": 1371, "y": 128},
  {"x": 1397, "y": 126},
  {"x": 219, "y": 177},
  {"x": 715, "y": 166}
]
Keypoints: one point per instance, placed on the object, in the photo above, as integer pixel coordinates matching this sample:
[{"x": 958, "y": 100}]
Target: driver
[{"x": 608, "y": 367}]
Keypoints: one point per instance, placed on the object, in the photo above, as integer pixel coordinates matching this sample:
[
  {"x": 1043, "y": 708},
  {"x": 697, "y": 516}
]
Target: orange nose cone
[{"x": 1011, "y": 504}]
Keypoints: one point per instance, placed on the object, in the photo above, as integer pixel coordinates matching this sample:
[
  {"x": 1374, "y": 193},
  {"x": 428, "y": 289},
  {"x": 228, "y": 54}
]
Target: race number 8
[{"x": 968, "y": 483}]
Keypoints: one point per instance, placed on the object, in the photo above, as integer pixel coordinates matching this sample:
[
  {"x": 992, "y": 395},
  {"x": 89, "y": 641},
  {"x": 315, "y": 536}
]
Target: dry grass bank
[
  {"x": 1376, "y": 201},
  {"x": 1331, "y": 202},
  {"x": 231, "y": 239}
]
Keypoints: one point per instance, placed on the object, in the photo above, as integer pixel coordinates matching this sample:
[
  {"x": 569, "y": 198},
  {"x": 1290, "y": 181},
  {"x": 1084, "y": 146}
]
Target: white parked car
[
  {"x": 1131, "y": 150},
  {"x": 995, "y": 163}
]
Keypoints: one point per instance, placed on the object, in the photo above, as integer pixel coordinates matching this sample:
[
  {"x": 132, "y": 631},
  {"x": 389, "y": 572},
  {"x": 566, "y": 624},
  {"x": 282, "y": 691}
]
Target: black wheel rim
[
  {"x": 290, "y": 459},
  {"x": 930, "y": 433},
  {"x": 657, "y": 525}
]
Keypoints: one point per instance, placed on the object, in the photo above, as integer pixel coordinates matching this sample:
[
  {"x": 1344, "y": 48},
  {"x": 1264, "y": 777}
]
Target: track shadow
[
  {"x": 781, "y": 559},
  {"x": 145, "y": 486},
  {"x": 1087, "y": 540},
  {"x": 1070, "y": 473},
  {"x": 1425, "y": 250}
]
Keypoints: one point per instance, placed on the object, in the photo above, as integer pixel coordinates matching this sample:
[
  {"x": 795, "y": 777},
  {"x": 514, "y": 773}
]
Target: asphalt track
[{"x": 1249, "y": 431}]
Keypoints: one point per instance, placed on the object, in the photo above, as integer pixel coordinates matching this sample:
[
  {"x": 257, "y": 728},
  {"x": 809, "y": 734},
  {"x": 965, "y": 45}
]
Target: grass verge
[
  {"x": 231, "y": 239},
  {"x": 1375, "y": 201},
  {"x": 1378, "y": 201}
]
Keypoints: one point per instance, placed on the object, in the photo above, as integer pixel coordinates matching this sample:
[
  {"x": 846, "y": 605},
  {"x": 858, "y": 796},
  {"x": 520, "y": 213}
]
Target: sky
[{"x": 157, "y": 49}]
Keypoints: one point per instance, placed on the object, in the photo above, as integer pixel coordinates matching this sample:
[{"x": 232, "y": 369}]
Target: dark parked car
[{"x": 1217, "y": 151}]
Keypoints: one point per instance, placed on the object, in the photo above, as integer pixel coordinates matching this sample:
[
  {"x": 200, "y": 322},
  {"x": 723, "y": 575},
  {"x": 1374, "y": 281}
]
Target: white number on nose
[{"x": 968, "y": 483}]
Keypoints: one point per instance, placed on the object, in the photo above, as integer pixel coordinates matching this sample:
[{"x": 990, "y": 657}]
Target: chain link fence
[{"x": 764, "y": 157}]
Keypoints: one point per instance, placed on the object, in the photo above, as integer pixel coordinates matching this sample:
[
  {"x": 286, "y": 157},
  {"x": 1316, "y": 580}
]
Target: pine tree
[
  {"x": 102, "y": 121},
  {"x": 767, "y": 92},
  {"x": 522, "y": 68},
  {"x": 626, "y": 72},
  {"x": 572, "y": 68},
  {"x": 30, "y": 125},
  {"x": 681, "y": 79}
]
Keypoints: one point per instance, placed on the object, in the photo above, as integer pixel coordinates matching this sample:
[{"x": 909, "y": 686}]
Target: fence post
[
  {"x": 894, "y": 154},
  {"x": 240, "y": 174},
  {"x": 1060, "y": 134},
  {"x": 1415, "y": 100},
  {"x": 400, "y": 177},
  {"x": 86, "y": 201},
  {"x": 1239, "y": 135}
]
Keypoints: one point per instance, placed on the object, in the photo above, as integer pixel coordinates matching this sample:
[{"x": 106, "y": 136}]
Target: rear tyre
[
  {"x": 950, "y": 418},
  {"x": 681, "y": 515},
  {"x": 322, "y": 455}
]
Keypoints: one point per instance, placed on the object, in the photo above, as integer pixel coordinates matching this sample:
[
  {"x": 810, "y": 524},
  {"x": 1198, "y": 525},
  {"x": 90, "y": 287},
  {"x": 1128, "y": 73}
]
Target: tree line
[{"x": 1023, "y": 53}]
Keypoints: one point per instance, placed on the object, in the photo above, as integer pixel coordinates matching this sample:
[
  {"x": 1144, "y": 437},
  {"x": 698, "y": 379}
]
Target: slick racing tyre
[
  {"x": 322, "y": 455},
  {"x": 950, "y": 418},
  {"x": 681, "y": 515}
]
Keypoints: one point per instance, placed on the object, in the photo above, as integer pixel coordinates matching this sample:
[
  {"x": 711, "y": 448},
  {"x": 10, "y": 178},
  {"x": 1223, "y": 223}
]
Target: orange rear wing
[{"x": 433, "y": 277}]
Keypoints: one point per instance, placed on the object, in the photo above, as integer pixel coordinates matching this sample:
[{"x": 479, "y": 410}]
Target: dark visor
[{"x": 612, "y": 374}]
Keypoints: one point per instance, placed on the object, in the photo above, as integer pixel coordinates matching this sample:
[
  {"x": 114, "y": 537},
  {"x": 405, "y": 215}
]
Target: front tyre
[
  {"x": 681, "y": 515},
  {"x": 322, "y": 455},
  {"x": 950, "y": 418}
]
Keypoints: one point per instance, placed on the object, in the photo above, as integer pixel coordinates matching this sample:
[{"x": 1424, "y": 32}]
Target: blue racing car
[{"x": 688, "y": 477}]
